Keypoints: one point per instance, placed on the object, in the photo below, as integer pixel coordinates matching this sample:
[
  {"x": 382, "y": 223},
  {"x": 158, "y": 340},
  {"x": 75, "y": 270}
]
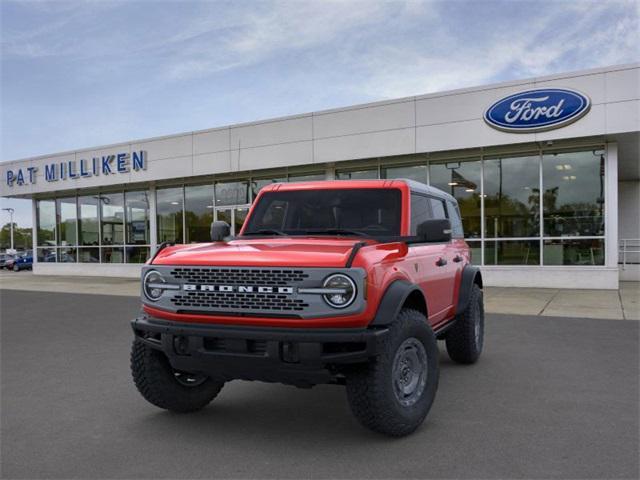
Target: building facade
[{"x": 546, "y": 172}]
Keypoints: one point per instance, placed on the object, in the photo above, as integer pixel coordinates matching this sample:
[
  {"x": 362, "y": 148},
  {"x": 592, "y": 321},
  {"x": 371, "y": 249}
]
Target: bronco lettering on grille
[{"x": 237, "y": 288}]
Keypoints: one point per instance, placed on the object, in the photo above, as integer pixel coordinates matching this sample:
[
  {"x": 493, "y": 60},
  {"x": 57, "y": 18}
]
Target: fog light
[{"x": 181, "y": 345}]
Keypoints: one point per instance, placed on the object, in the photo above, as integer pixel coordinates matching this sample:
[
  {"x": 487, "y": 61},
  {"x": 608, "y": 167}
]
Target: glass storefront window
[
  {"x": 573, "y": 251},
  {"x": 462, "y": 181},
  {"x": 137, "y": 254},
  {"x": 89, "y": 255},
  {"x": 512, "y": 252},
  {"x": 258, "y": 184},
  {"x": 412, "y": 172},
  {"x": 239, "y": 216},
  {"x": 198, "y": 212},
  {"x": 370, "y": 174},
  {"x": 46, "y": 218},
  {"x": 232, "y": 193},
  {"x": 66, "y": 255},
  {"x": 308, "y": 177},
  {"x": 512, "y": 197},
  {"x": 112, "y": 255},
  {"x": 88, "y": 220},
  {"x": 46, "y": 254},
  {"x": 137, "y": 218},
  {"x": 573, "y": 198},
  {"x": 67, "y": 221},
  {"x": 476, "y": 251},
  {"x": 169, "y": 208},
  {"x": 112, "y": 218}
]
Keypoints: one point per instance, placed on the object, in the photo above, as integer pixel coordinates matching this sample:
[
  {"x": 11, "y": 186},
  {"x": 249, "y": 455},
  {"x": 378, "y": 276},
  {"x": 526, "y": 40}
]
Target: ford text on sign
[{"x": 537, "y": 110}]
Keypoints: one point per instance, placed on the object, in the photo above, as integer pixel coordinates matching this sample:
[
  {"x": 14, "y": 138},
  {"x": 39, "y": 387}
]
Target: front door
[{"x": 234, "y": 216}]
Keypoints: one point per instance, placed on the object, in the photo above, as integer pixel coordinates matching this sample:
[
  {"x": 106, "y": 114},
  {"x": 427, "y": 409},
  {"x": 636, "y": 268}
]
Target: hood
[{"x": 277, "y": 252}]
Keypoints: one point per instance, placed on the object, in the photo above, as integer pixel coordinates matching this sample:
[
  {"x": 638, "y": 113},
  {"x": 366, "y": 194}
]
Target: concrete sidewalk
[{"x": 623, "y": 304}]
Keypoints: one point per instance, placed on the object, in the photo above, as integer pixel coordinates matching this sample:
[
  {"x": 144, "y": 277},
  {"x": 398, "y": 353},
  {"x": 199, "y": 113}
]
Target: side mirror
[
  {"x": 435, "y": 230},
  {"x": 219, "y": 231}
]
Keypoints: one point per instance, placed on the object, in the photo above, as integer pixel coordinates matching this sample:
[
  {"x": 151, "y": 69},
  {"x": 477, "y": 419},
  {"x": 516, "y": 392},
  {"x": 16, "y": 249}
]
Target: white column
[
  {"x": 330, "y": 172},
  {"x": 153, "y": 234},
  {"x": 611, "y": 205}
]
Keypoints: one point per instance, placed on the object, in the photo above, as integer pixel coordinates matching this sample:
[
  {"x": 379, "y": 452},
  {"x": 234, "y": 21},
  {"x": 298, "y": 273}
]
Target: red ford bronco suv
[{"x": 343, "y": 282}]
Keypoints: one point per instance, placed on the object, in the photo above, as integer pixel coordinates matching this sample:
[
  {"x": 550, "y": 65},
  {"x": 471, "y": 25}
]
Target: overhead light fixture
[
  {"x": 453, "y": 184},
  {"x": 175, "y": 203},
  {"x": 469, "y": 190},
  {"x": 566, "y": 177},
  {"x": 567, "y": 166},
  {"x": 559, "y": 167},
  {"x": 572, "y": 177}
]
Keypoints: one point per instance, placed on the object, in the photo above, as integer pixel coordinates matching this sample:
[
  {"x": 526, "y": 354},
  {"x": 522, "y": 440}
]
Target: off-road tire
[
  {"x": 463, "y": 345},
  {"x": 370, "y": 387},
  {"x": 156, "y": 381}
]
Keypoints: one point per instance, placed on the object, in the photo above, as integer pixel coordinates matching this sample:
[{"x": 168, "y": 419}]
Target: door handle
[
  {"x": 441, "y": 262},
  {"x": 457, "y": 259}
]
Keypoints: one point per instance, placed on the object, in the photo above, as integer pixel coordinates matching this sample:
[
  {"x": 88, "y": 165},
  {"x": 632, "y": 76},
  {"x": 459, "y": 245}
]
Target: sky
[{"x": 87, "y": 73}]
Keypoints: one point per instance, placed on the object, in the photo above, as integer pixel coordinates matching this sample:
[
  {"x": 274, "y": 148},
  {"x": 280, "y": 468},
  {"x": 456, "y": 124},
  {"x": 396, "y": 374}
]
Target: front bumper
[{"x": 298, "y": 356}]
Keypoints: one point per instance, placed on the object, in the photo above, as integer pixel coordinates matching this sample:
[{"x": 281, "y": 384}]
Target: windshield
[{"x": 358, "y": 212}]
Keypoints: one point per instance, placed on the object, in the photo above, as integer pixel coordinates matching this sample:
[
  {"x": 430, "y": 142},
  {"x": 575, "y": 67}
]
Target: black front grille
[
  {"x": 238, "y": 276},
  {"x": 239, "y": 301}
]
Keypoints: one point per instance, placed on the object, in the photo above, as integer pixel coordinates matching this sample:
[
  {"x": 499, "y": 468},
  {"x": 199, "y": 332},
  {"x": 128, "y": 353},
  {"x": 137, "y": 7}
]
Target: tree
[{"x": 22, "y": 237}]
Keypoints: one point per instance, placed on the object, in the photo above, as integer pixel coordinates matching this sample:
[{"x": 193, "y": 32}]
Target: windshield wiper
[
  {"x": 266, "y": 231},
  {"x": 337, "y": 231}
]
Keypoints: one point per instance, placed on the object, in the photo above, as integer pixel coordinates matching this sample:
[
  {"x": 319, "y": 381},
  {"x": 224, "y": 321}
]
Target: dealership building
[{"x": 546, "y": 172}]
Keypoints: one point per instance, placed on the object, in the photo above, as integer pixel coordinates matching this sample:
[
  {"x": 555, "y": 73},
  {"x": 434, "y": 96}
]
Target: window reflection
[
  {"x": 370, "y": 174},
  {"x": 412, "y": 172},
  {"x": 573, "y": 197},
  {"x": 169, "y": 209},
  {"x": 232, "y": 193},
  {"x": 461, "y": 180},
  {"x": 112, "y": 218},
  {"x": 258, "y": 184},
  {"x": 512, "y": 252},
  {"x": 88, "y": 220},
  {"x": 46, "y": 218},
  {"x": 308, "y": 177},
  {"x": 574, "y": 252},
  {"x": 137, "y": 218},
  {"x": 512, "y": 197},
  {"x": 198, "y": 212},
  {"x": 67, "y": 219}
]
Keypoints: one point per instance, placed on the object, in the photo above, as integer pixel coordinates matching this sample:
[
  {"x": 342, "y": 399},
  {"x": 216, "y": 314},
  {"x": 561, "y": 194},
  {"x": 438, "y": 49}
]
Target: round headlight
[
  {"x": 341, "y": 291},
  {"x": 150, "y": 285}
]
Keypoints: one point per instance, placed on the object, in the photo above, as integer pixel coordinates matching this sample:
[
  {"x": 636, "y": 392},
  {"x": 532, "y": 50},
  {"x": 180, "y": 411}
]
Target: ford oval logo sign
[{"x": 537, "y": 110}]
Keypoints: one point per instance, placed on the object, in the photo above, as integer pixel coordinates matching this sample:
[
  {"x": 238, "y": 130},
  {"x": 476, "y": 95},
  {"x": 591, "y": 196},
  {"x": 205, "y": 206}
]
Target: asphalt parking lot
[{"x": 550, "y": 398}]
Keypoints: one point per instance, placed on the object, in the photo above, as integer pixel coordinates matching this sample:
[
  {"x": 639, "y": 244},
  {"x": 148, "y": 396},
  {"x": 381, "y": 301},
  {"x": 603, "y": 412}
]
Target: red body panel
[{"x": 383, "y": 263}]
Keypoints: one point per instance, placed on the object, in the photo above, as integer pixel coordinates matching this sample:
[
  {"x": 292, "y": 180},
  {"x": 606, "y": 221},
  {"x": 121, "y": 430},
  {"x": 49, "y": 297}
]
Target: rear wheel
[
  {"x": 394, "y": 393},
  {"x": 167, "y": 388},
  {"x": 465, "y": 339},
  {"x": 16, "y": 268}
]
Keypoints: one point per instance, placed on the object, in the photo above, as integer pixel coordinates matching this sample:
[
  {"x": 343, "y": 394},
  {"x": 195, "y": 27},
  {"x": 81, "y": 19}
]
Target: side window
[
  {"x": 437, "y": 206},
  {"x": 456, "y": 222},
  {"x": 420, "y": 211}
]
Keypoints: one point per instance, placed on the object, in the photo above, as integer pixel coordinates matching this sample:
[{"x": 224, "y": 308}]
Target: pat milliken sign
[
  {"x": 537, "y": 110},
  {"x": 105, "y": 165}
]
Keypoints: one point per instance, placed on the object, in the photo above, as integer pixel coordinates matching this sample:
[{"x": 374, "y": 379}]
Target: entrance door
[{"x": 234, "y": 216}]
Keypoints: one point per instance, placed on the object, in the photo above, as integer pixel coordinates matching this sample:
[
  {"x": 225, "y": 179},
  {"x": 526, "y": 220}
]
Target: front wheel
[
  {"x": 16, "y": 268},
  {"x": 393, "y": 394},
  {"x": 167, "y": 388}
]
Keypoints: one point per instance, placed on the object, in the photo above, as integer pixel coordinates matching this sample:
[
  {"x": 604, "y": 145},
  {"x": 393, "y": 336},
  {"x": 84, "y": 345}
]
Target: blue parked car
[{"x": 22, "y": 262}]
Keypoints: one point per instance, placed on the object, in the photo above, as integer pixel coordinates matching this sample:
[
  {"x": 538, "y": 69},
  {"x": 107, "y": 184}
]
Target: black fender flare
[
  {"x": 392, "y": 301},
  {"x": 470, "y": 275}
]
